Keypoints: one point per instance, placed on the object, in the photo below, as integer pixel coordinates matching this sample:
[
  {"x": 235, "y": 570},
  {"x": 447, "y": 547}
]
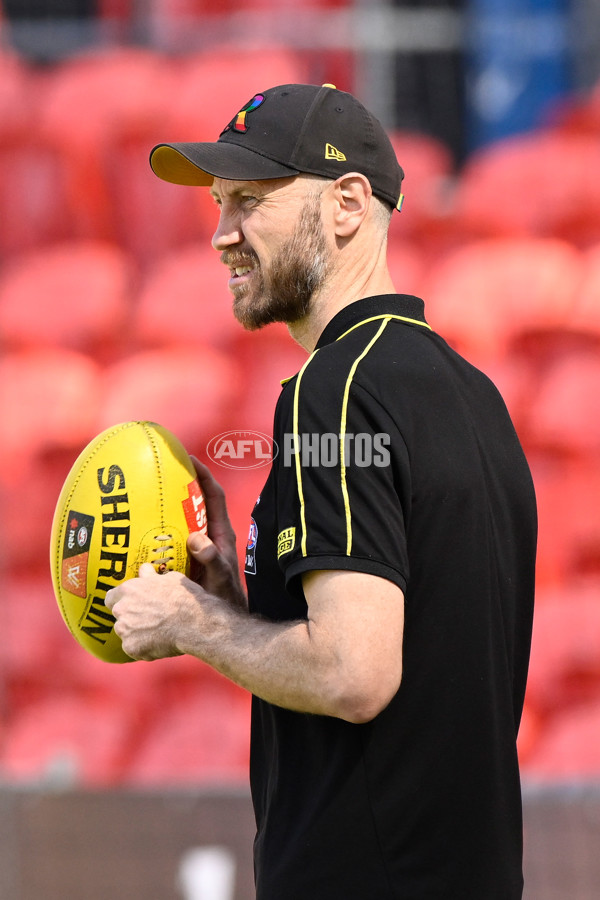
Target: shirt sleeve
[{"x": 343, "y": 480}]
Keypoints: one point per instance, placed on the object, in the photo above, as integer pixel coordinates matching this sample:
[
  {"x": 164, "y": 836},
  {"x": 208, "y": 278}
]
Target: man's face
[{"x": 272, "y": 239}]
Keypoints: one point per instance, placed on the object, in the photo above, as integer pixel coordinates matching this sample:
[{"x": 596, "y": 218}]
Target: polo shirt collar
[{"x": 403, "y": 305}]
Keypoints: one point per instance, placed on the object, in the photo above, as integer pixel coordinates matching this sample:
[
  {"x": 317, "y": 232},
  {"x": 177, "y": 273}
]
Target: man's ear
[{"x": 352, "y": 194}]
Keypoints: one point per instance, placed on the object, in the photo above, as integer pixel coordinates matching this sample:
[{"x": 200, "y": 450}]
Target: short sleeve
[{"x": 342, "y": 477}]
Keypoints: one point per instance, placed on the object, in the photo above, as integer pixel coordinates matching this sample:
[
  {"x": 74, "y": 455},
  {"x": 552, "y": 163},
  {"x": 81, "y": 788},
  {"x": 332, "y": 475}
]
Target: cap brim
[{"x": 199, "y": 164}]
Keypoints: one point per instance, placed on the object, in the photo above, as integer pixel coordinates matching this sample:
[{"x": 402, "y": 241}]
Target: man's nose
[{"x": 228, "y": 233}]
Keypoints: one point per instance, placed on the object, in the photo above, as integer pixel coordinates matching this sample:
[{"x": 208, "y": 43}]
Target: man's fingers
[
  {"x": 216, "y": 573},
  {"x": 214, "y": 496}
]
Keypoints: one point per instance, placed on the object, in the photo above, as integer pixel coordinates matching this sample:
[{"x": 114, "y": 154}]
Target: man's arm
[{"x": 345, "y": 660}]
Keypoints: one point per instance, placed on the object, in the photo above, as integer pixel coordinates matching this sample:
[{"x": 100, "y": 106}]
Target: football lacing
[{"x": 162, "y": 560}]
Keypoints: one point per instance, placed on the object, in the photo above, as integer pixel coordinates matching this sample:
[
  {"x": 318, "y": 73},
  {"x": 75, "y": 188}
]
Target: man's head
[
  {"x": 287, "y": 130},
  {"x": 288, "y": 150}
]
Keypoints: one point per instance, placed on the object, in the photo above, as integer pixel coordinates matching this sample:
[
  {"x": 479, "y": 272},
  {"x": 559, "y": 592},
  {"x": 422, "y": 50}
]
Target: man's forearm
[{"x": 278, "y": 662}]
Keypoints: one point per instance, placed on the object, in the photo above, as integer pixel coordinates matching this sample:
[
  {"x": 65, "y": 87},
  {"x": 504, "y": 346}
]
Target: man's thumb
[{"x": 201, "y": 548}]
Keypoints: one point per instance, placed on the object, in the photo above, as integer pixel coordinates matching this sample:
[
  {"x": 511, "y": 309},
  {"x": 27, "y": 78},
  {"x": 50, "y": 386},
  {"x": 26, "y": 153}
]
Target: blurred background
[{"x": 131, "y": 781}]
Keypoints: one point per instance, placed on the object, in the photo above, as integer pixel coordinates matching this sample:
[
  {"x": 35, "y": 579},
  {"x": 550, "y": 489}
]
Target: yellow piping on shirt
[
  {"x": 296, "y": 449},
  {"x": 387, "y": 316},
  {"x": 343, "y": 431}
]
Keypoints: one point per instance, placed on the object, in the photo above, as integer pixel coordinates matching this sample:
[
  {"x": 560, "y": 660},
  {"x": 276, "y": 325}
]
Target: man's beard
[{"x": 297, "y": 272}]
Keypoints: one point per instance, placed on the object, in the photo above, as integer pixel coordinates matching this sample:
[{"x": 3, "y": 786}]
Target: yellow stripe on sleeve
[
  {"x": 343, "y": 432},
  {"x": 296, "y": 448}
]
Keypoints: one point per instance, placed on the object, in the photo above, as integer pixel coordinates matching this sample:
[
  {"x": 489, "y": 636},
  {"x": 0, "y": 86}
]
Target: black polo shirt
[{"x": 398, "y": 458}]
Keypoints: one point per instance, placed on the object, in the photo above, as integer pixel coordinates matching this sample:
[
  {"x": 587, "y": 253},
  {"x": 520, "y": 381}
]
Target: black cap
[{"x": 287, "y": 130}]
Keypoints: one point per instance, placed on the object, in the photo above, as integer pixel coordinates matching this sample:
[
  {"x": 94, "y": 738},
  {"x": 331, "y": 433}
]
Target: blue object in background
[{"x": 517, "y": 64}]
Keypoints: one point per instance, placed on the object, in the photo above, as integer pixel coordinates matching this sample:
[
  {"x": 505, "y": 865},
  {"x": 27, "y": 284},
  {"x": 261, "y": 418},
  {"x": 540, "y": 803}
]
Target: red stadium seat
[
  {"x": 33, "y": 196},
  {"x": 49, "y": 400},
  {"x": 91, "y": 105},
  {"x": 66, "y": 738},
  {"x": 586, "y": 314},
  {"x": 565, "y": 654},
  {"x": 407, "y": 267},
  {"x": 185, "y": 299},
  {"x": 484, "y": 294},
  {"x": 534, "y": 184},
  {"x": 32, "y": 192},
  {"x": 569, "y": 748},
  {"x": 428, "y": 171},
  {"x": 152, "y": 217},
  {"x": 16, "y": 97},
  {"x": 266, "y": 358},
  {"x": 188, "y": 390},
  {"x": 39, "y": 654},
  {"x": 213, "y": 85},
  {"x": 75, "y": 295},
  {"x": 560, "y": 727},
  {"x": 35, "y": 636},
  {"x": 199, "y": 736},
  {"x": 568, "y": 498},
  {"x": 565, "y": 415}
]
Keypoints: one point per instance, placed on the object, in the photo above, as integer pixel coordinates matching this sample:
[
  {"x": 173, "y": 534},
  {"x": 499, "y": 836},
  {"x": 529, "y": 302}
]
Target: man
[{"x": 390, "y": 568}]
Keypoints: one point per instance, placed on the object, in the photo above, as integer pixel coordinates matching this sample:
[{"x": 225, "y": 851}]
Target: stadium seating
[
  {"x": 568, "y": 747},
  {"x": 128, "y": 91},
  {"x": 427, "y": 186},
  {"x": 586, "y": 314},
  {"x": 113, "y": 306},
  {"x": 32, "y": 190},
  {"x": 533, "y": 184},
  {"x": 185, "y": 299},
  {"x": 486, "y": 293},
  {"x": 49, "y": 399},
  {"x": 202, "y": 735},
  {"x": 83, "y": 741},
  {"x": 15, "y": 111},
  {"x": 84, "y": 286},
  {"x": 188, "y": 390},
  {"x": 208, "y": 87},
  {"x": 565, "y": 415},
  {"x": 407, "y": 267}
]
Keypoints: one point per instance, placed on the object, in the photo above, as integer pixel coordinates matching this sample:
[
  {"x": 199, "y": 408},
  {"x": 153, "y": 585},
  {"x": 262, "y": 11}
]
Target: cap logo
[
  {"x": 332, "y": 152},
  {"x": 238, "y": 123}
]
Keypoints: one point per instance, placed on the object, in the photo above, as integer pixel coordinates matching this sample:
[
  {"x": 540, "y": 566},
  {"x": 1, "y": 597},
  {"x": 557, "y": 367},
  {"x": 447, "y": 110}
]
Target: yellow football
[{"x": 132, "y": 496}]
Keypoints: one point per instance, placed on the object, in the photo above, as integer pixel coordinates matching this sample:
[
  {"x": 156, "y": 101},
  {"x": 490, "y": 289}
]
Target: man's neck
[{"x": 334, "y": 297}]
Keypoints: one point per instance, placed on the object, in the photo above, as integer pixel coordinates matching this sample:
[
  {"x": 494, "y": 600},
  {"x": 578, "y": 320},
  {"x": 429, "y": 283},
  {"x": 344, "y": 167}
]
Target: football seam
[{"x": 156, "y": 453}]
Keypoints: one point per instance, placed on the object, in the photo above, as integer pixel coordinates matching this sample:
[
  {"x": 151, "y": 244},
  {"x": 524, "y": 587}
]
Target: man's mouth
[{"x": 240, "y": 270}]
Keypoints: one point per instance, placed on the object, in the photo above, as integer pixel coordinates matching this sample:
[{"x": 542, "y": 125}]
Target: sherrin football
[{"x": 132, "y": 496}]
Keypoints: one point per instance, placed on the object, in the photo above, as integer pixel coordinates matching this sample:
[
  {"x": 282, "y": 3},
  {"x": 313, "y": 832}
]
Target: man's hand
[
  {"x": 157, "y": 615},
  {"x": 153, "y": 611}
]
